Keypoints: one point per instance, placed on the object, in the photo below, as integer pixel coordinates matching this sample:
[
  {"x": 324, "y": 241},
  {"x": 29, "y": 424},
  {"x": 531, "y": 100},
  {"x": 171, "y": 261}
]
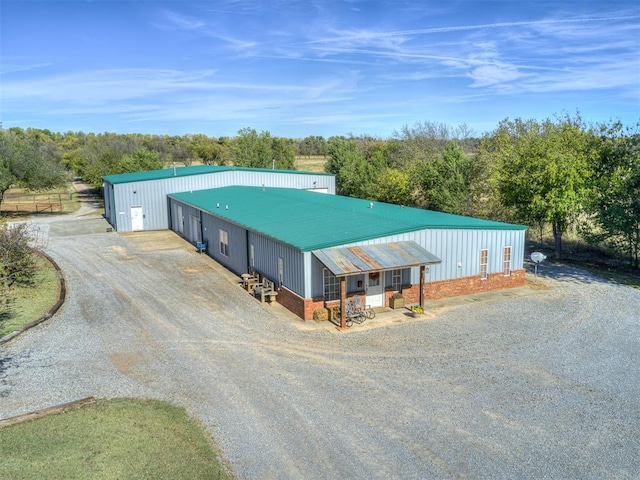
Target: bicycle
[{"x": 366, "y": 310}]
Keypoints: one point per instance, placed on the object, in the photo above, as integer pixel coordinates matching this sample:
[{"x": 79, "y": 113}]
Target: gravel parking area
[{"x": 537, "y": 386}]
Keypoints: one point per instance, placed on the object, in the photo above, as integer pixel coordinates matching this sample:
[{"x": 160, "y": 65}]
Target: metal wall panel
[
  {"x": 151, "y": 195},
  {"x": 459, "y": 246},
  {"x": 109, "y": 204},
  {"x": 266, "y": 254},
  {"x": 236, "y": 259}
]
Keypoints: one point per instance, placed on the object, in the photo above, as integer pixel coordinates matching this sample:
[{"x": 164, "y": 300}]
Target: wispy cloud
[
  {"x": 103, "y": 86},
  {"x": 7, "y": 68},
  {"x": 340, "y": 64}
]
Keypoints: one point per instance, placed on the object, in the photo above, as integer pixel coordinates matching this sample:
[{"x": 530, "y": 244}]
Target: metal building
[
  {"x": 138, "y": 201},
  {"x": 319, "y": 249}
]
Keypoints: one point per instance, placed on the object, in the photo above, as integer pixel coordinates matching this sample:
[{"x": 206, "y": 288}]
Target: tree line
[{"x": 557, "y": 172}]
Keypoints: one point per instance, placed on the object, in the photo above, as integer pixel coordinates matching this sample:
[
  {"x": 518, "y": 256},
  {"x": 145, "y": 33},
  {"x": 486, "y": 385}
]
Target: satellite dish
[{"x": 538, "y": 257}]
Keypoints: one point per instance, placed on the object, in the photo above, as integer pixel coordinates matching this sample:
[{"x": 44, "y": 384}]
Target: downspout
[
  {"x": 422, "y": 270},
  {"x": 201, "y": 229},
  {"x": 343, "y": 303},
  {"x": 248, "y": 251}
]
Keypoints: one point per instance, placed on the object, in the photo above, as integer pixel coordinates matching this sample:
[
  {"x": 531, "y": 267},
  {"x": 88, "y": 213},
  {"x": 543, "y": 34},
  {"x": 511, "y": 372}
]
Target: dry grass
[
  {"x": 18, "y": 201},
  {"x": 311, "y": 163}
]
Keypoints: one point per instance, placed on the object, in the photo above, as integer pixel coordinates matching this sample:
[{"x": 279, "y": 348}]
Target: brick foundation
[
  {"x": 304, "y": 308},
  {"x": 470, "y": 285}
]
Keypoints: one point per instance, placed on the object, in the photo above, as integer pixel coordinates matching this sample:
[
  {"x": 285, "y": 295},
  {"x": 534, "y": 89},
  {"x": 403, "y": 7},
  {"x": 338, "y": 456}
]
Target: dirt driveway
[{"x": 540, "y": 386}]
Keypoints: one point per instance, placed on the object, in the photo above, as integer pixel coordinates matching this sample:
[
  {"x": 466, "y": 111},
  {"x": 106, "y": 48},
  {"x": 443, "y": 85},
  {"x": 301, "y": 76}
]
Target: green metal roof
[
  {"x": 311, "y": 221},
  {"x": 187, "y": 171}
]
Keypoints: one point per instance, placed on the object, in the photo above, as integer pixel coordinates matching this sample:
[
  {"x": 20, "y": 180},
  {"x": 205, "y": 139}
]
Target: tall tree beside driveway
[
  {"x": 616, "y": 194},
  {"x": 542, "y": 169}
]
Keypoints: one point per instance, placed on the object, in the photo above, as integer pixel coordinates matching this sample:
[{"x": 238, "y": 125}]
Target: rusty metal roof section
[{"x": 343, "y": 261}]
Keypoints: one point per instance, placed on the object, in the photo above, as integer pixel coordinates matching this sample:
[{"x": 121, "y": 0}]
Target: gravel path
[{"x": 539, "y": 386}]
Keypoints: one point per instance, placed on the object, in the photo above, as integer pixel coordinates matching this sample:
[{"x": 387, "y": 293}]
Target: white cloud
[{"x": 494, "y": 74}]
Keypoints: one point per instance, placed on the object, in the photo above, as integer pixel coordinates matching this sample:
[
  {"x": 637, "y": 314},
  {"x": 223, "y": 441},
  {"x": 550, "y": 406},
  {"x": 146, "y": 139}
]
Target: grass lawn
[
  {"x": 111, "y": 439},
  {"x": 27, "y": 304}
]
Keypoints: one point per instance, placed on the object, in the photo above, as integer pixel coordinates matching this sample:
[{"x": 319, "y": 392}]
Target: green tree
[
  {"x": 394, "y": 186},
  {"x": 312, "y": 145},
  {"x": 207, "y": 149},
  {"x": 17, "y": 265},
  {"x": 445, "y": 180},
  {"x": 29, "y": 159},
  {"x": 357, "y": 163},
  {"x": 140, "y": 160},
  {"x": 615, "y": 202},
  {"x": 254, "y": 150},
  {"x": 542, "y": 170}
]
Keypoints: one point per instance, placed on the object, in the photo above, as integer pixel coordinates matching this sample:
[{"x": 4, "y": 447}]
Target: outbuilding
[
  {"x": 319, "y": 250},
  {"x": 138, "y": 201}
]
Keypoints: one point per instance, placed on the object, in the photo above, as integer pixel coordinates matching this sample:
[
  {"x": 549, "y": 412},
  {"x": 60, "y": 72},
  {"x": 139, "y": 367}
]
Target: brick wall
[
  {"x": 291, "y": 301},
  {"x": 469, "y": 285},
  {"x": 304, "y": 308},
  {"x": 462, "y": 286}
]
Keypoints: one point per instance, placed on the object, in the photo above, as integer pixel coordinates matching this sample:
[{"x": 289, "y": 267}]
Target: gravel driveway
[{"x": 539, "y": 386}]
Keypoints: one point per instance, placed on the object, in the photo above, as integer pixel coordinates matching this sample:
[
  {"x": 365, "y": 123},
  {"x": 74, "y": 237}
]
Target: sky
[{"x": 315, "y": 67}]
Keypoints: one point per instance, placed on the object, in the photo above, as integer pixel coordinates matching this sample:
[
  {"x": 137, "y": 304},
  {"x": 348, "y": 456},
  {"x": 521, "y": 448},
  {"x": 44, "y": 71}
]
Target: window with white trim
[
  {"x": 224, "y": 243},
  {"x": 331, "y": 286},
  {"x": 506, "y": 261},
  {"x": 484, "y": 264},
  {"x": 396, "y": 280},
  {"x": 252, "y": 256},
  {"x": 280, "y": 270}
]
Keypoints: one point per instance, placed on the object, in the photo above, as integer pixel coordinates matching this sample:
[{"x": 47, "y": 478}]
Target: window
[
  {"x": 224, "y": 243},
  {"x": 484, "y": 257},
  {"x": 252, "y": 256},
  {"x": 331, "y": 286},
  {"x": 280, "y": 270},
  {"x": 506, "y": 261},
  {"x": 396, "y": 280}
]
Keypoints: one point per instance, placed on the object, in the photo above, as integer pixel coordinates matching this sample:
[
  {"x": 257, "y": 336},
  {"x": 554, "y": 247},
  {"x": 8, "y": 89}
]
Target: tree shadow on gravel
[
  {"x": 5, "y": 361},
  {"x": 558, "y": 271}
]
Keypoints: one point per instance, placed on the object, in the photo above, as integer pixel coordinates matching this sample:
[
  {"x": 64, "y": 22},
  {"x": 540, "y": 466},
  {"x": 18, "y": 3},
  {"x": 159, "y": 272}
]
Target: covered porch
[{"x": 372, "y": 261}]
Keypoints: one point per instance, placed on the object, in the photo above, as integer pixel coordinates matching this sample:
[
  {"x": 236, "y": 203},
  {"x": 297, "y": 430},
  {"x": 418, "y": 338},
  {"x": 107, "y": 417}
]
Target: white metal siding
[
  {"x": 452, "y": 246},
  {"x": 152, "y": 194}
]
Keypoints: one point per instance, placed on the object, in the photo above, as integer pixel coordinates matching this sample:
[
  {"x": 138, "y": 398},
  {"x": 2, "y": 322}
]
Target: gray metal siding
[
  {"x": 266, "y": 254},
  {"x": 191, "y": 217},
  {"x": 151, "y": 194},
  {"x": 109, "y": 204},
  {"x": 236, "y": 261}
]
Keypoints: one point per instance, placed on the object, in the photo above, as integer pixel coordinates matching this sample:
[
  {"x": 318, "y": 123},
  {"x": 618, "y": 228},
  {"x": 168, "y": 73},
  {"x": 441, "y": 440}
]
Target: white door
[
  {"x": 179, "y": 220},
  {"x": 194, "y": 224},
  {"x": 374, "y": 289},
  {"x": 137, "y": 222}
]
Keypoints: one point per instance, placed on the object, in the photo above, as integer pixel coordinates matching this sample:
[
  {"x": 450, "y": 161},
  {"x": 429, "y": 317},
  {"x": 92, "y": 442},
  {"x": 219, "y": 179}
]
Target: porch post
[
  {"x": 422, "y": 270},
  {"x": 343, "y": 303}
]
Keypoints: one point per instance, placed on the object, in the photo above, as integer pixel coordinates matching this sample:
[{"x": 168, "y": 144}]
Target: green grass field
[
  {"x": 26, "y": 304},
  {"x": 112, "y": 439}
]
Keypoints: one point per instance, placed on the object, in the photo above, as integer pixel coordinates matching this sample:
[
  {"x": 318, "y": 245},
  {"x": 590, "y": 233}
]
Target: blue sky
[{"x": 298, "y": 68}]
